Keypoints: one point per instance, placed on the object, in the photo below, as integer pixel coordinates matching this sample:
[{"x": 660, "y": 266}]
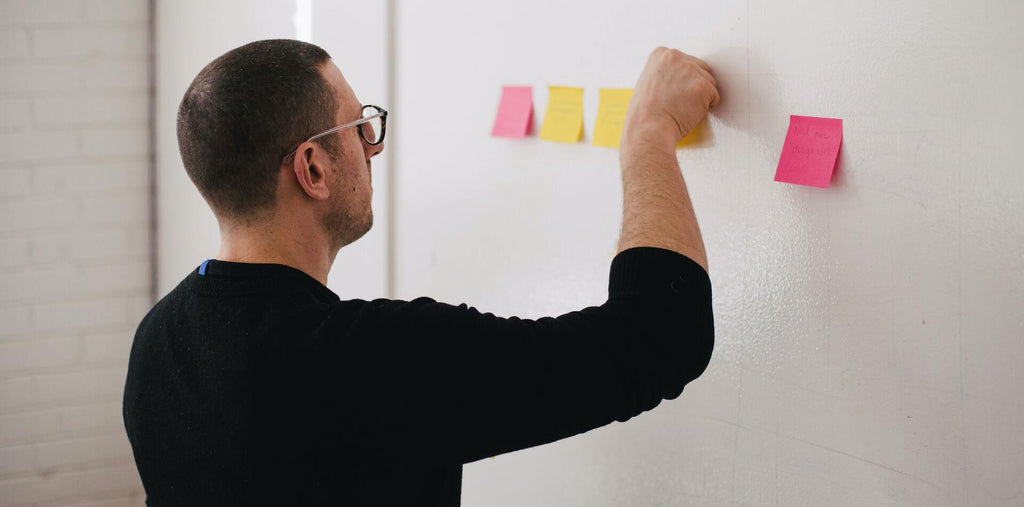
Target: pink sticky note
[
  {"x": 810, "y": 151},
  {"x": 515, "y": 112}
]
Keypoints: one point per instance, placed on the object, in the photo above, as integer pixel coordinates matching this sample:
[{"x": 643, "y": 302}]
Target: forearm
[
  {"x": 656, "y": 207},
  {"x": 673, "y": 94}
]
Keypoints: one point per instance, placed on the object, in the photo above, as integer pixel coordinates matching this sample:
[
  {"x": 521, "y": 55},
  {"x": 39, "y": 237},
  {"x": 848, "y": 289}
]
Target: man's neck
[{"x": 296, "y": 247}]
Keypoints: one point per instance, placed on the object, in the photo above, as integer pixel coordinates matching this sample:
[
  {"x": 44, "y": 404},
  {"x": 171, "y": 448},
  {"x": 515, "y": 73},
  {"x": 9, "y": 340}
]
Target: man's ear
[{"x": 308, "y": 167}]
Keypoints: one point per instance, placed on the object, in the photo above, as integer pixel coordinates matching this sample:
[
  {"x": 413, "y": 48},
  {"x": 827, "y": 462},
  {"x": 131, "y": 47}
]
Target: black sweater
[{"x": 255, "y": 384}]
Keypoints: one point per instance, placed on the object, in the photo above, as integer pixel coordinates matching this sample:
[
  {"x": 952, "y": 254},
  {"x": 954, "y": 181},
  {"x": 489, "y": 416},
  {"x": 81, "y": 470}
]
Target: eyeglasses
[{"x": 372, "y": 127}]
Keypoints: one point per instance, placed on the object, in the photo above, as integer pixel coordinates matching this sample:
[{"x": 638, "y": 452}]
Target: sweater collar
[{"x": 212, "y": 269}]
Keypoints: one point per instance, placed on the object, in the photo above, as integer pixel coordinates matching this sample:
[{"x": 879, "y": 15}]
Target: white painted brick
[
  {"x": 48, "y": 247},
  {"x": 115, "y": 141},
  {"x": 16, "y": 392},
  {"x": 103, "y": 110},
  {"x": 68, "y": 283},
  {"x": 90, "y": 178},
  {"x": 110, "y": 74},
  {"x": 92, "y": 418},
  {"x": 126, "y": 501},
  {"x": 69, "y": 315},
  {"x": 89, "y": 41},
  {"x": 130, "y": 208},
  {"x": 61, "y": 422},
  {"x": 13, "y": 43},
  {"x": 106, "y": 243},
  {"x": 19, "y": 458},
  {"x": 15, "y": 320},
  {"x": 27, "y": 426},
  {"x": 122, "y": 244},
  {"x": 29, "y": 215},
  {"x": 15, "y": 113},
  {"x": 19, "y": 12},
  {"x": 93, "y": 385},
  {"x": 38, "y": 354},
  {"x": 117, "y": 10},
  {"x": 127, "y": 209},
  {"x": 108, "y": 481},
  {"x": 138, "y": 307},
  {"x": 107, "y": 347},
  {"x": 38, "y": 145},
  {"x": 38, "y": 77},
  {"x": 120, "y": 278},
  {"x": 136, "y": 245},
  {"x": 35, "y": 284},
  {"x": 14, "y": 182},
  {"x": 74, "y": 240},
  {"x": 45, "y": 456},
  {"x": 85, "y": 450},
  {"x": 13, "y": 250}
]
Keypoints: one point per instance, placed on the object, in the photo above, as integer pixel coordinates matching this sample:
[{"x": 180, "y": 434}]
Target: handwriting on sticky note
[
  {"x": 611, "y": 113},
  {"x": 809, "y": 153},
  {"x": 563, "y": 121},
  {"x": 515, "y": 112}
]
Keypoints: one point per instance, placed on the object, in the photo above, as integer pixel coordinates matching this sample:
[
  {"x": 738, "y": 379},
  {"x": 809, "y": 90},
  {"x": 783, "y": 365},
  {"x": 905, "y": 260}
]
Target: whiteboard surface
[{"x": 869, "y": 336}]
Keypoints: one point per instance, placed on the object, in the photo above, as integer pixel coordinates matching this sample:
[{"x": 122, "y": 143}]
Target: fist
[{"x": 672, "y": 95}]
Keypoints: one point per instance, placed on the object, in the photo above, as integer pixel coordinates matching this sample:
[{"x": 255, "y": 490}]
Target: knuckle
[
  {"x": 713, "y": 97},
  {"x": 708, "y": 89}
]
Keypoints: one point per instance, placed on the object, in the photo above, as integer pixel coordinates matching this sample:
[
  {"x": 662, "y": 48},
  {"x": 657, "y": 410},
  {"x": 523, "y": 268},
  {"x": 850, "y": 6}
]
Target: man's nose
[{"x": 373, "y": 151}]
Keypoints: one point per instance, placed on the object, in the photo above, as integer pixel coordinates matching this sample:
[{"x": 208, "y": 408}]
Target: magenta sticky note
[
  {"x": 515, "y": 112},
  {"x": 810, "y": 151}
]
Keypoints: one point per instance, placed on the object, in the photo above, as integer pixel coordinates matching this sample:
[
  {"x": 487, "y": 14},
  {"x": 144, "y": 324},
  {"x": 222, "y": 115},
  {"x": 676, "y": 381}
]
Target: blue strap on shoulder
[{"x": 202, "y": 267}]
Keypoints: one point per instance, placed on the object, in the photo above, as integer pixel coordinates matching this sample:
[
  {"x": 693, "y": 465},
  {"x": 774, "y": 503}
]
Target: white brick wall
[{"x": 74, "y": 254}]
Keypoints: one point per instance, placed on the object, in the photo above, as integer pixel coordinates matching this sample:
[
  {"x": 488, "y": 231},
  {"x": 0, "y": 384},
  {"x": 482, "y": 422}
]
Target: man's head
[{"x": 253, "y": 105}]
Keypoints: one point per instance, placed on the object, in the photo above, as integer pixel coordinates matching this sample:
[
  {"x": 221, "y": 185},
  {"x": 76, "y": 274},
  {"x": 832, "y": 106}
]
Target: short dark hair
[{"x": 244, "y": 112}]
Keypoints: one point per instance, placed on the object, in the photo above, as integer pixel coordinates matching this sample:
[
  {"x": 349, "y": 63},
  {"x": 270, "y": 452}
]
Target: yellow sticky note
[
  {"x": 611, "y": 113},
  {"x": 696, "y": 137},
  {"x": 563, "y": 121}
]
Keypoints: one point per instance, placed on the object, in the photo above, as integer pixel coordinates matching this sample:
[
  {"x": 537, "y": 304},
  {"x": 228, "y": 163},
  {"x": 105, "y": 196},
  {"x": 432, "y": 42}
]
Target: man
[{"x": 252, "y": 383}]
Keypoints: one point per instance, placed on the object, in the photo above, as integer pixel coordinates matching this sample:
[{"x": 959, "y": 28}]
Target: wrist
[
  {"x": 647, "y": 146},
  {"x": 650, "y": 138}
]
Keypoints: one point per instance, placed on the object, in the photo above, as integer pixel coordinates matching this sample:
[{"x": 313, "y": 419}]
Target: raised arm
[
  {"x": 672, "y": 95},
  {"x": 452, "y": 384}
]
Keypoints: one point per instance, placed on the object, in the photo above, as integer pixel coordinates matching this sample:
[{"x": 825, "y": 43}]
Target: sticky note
[
  {"x": 697, "y": 136},
  {"x": 563, "y": 121},
  {"x": 611, "y": 113},
  {"x": 810, "y": 151},
  {"x": 515, "y": 112}
]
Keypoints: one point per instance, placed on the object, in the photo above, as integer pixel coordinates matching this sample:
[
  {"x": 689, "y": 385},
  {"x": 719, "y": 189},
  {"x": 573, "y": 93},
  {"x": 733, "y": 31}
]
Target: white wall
[
  {"x": 356, "y": 36},
  {"x": 869, "y": 343},
  {"x": 189, "y": 35},
  {"x": 74, "y": 248}
]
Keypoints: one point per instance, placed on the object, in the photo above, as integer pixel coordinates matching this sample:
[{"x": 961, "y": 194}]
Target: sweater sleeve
[{"x": 452, "y": 382}]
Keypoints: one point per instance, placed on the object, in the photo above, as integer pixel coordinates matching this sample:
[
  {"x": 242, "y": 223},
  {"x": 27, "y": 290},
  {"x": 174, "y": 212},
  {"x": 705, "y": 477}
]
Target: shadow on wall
[{"x": 738, "y": 96}]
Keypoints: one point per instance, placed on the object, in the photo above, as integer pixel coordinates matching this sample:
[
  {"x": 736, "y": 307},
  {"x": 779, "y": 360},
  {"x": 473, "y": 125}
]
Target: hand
[{"x": 672, "y": 95}]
